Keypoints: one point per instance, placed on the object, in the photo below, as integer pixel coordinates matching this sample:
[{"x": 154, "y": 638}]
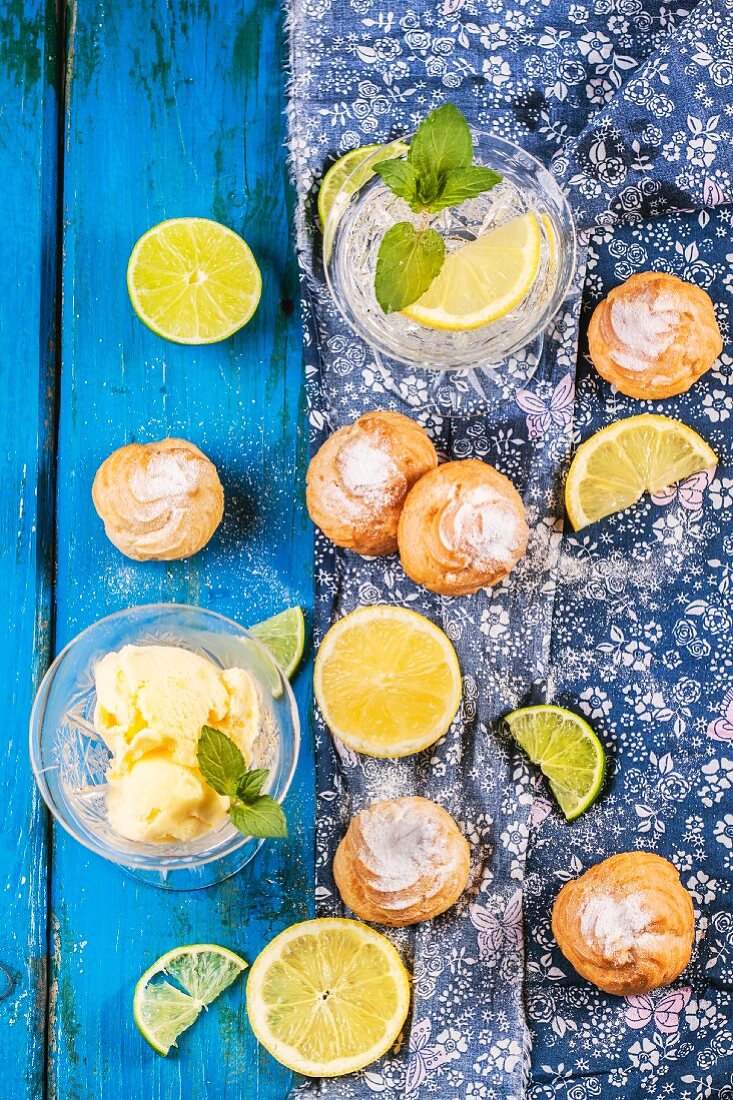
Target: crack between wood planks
[{"x": 63, "y": 76}]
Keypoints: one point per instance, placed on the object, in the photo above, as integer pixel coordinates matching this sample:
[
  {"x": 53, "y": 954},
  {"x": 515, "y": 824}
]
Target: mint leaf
[
  {"x": 399, "y": 176},
  {"x": 442, "y": 143},
  {"x": 262, "y": 817},
  {"x": 251, "y": 784},
  {"x": 220, "y": 761},
  {"x": 407, "y": 263},
  {"x": 464, "y": 183}
]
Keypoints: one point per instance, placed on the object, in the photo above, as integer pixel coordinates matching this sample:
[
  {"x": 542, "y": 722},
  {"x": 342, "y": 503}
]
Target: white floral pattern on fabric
[{"x": 642, "y": 649}]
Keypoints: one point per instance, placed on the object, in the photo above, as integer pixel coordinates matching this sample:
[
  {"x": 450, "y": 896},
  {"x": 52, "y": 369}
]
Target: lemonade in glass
[{"x": 508, "y": 255}]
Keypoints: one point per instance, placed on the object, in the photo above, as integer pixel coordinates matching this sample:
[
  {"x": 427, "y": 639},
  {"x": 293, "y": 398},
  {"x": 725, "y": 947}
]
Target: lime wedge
[
  {"x": 284, "y": 636},
  {"x": 193, "y": 281},
  {"x": 339, "y": 172},
  {"x": 163, "y": 1011},
  {"x": 566, "y": 750}
]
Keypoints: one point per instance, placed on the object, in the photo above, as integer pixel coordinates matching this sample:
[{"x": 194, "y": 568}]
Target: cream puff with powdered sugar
[
  {"x": 654, "y": 336},
  {"x": 358, "y": 480},
  {"x": 463, "y": 528},
  {"x": 402, "y": 861}
]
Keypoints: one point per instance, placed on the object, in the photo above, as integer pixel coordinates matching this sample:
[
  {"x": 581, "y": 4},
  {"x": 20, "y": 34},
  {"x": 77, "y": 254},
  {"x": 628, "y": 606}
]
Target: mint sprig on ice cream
[
  {"x": 438, "y": 172},
  {"x": 224, "y": 768}
]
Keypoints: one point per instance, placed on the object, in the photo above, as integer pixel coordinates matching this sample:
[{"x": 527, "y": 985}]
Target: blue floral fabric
[{"x": 628, "y": 622}]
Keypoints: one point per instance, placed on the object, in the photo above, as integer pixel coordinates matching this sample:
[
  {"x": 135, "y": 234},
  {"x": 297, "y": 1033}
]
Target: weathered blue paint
[
  {"x": 171, "y": 109},
  {"x": 28, "y": 150}
]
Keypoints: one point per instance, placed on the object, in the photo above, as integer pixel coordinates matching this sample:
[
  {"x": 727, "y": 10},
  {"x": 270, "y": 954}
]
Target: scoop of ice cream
[
  {"x": 158, "y": 800},
  {"x": 152, "y": 702}
]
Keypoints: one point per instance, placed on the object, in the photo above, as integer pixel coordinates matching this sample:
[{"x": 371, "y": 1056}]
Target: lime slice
[
  {"x": 339, "y": 172},
  {"x": 615, "y": 467},
  {"x": 566, "y": 750},
  {"x": 163, "y": 1011},
  {"x": 483, "y": 280},
  {"x": 193, "y": 281},
  {"x": 284, "y": 636},
  {"x": 327, "y": 997}
]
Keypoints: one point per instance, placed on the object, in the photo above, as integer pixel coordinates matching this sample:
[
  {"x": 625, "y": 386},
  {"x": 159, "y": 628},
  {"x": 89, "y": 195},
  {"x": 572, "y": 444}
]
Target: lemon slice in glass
[
  {"x": 484, "y": 280},
  {"x": 327, "y": 997},
  {"x": 193, "y": 281},
  {"x": 387, "y": 681},
  {"x": 642, "y": 454},
  {"x": 566, "y": 750},
  {"x": 201, "y": 972}
]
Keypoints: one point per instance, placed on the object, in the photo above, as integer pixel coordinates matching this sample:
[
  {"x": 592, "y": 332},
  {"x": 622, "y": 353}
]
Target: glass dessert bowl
[
  {"x": 71, "y": 760},
  {"x": 363, "y": 210}
]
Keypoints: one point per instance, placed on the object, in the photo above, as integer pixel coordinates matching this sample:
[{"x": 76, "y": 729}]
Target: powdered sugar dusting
[
  {"x": 368, "y": 471},
  {"x": 645, "y": 325},
  {"x": 166, "y": 474},
  {"x": 481, "y": 526},
  {"x": 615, "y": 923},
  {"x": 401, "y": 846}
]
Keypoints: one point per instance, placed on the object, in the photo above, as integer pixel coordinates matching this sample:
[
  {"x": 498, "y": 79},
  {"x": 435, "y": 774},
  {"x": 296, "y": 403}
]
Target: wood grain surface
[{"x": 170, "y": 109}]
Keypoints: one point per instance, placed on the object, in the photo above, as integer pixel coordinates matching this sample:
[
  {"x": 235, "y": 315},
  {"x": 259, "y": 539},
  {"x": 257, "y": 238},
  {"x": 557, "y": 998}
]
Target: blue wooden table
[{"x": 113, "y": 117}]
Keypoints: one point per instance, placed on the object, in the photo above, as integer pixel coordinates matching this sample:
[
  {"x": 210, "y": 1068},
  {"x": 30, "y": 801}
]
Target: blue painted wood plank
[
  {"x": 175, "y": 109},
  {"x": 28, "y": 153}
]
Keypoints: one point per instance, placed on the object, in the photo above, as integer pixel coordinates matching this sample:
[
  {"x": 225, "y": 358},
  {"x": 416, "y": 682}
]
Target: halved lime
[
  {"x": 284, "y": 636},
  {"x": 566, "y": 750},
  {"x": 163, "y": 1011},
  {"x": 193, "y": 281},
  {"x": 339, "y": 172}
]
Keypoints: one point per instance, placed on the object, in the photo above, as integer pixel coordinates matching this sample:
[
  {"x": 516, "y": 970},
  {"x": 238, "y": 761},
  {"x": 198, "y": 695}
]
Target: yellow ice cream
[{"x": 151, "y": 704}]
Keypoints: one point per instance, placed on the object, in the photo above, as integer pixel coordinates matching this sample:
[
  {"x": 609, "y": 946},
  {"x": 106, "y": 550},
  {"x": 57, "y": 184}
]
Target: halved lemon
[
  {"x": 387, "y": 681},
  {"x": 193, "y": 281},
  {"x": 327, "y": 997},
  {"x": 642, "y": 454},
  {"x": 483, "y": 280}
]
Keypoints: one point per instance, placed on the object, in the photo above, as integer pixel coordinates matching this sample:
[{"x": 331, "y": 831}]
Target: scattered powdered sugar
[
  {"x": 402, "y": 846},
  {"x": 645, "y": 326},
  {"x": 368, "y": 471},
  {"x": 481, "y": 526},
  {"x": 615, "y": 923}
]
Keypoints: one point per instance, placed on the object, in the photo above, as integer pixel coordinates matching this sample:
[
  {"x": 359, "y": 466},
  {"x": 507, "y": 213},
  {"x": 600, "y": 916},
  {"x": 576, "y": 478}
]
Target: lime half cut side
[
  {"x": 163, "y": 1010},
  {"x": 193, "y": 281},
  {"x": 284, "y": 636},
  {"x": 566, "y": 750}
]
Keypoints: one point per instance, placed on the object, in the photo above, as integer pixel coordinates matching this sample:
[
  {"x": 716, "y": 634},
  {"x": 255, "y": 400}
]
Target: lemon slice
[
  {"x": 193, "y": 281},
  {"x": 642, "y": 454},
  {"x": 327, "y": 997},
  {"x": 202, "y": 971},
  {"x": 566, "y": 750},
  {"x": 387, "y": 681},
  {"x": 484, "y": 280}
]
